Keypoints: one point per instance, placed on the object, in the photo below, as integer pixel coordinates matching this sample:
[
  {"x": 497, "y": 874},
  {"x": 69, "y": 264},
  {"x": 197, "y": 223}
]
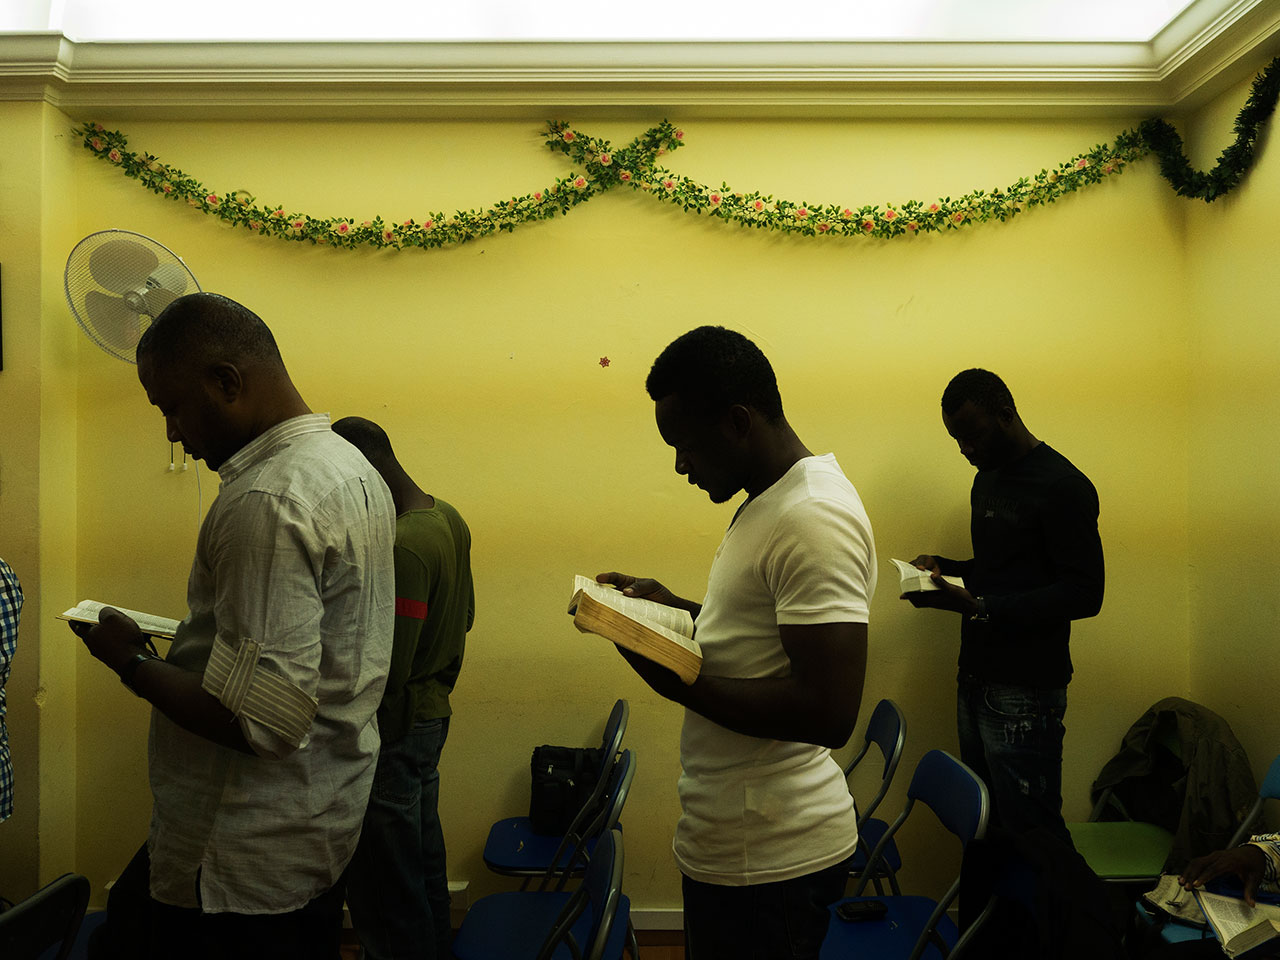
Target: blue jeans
[
  {"x": 397, "y": 886},
  {"x": 1012, "y": 737},
  {"x": 786, "y": 920}
]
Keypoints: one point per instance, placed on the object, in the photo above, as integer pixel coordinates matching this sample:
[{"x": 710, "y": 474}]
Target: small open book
[
  {"x": 914, "y": 579},
  {"x": 87, "y": 611},
  {"x": 662, "y": 634}
]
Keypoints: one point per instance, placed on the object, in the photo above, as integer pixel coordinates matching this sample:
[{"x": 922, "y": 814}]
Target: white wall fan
[{"x": 117, "y": 282}]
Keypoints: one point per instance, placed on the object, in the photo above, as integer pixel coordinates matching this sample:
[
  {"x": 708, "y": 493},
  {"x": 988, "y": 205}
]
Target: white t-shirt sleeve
[{"x": 821, "y": 567}]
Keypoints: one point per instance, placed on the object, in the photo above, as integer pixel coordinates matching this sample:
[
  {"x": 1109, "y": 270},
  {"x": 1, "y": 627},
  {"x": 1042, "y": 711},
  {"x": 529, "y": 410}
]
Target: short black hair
[
  {"x": 712, "y": 368},
  {"x": 982, "y": 388},
  {"x": 367, "y": 437},
  {"x": 203, "y": 328}
]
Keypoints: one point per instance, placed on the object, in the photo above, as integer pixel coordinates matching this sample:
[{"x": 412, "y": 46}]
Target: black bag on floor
[{"x": 563, "y": 778}]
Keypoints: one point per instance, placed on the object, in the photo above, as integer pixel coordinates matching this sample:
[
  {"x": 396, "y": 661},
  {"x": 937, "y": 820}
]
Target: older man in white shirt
[{"x": 263, "y": 737}]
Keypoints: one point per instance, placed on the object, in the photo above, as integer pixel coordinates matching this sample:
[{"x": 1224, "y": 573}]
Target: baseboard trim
[{"x": 651, "y": 918}]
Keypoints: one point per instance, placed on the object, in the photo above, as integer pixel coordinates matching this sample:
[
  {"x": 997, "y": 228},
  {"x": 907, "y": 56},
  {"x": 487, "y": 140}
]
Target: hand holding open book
[
  {"x": 660, "y": 633},
  {"x": 1239, "y": 927}
]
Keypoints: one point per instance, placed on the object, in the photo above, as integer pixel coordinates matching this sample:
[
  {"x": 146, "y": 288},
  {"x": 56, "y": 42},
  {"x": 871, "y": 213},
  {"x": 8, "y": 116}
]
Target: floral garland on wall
[{"x": 602, "y": 167}]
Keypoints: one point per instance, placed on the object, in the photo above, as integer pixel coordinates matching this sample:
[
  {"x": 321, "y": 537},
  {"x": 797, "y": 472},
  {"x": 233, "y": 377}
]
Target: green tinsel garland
[{"x": 635, "y": 165}]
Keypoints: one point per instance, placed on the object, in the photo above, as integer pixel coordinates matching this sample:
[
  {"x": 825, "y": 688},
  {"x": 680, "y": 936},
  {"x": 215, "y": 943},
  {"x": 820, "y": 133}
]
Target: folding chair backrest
[
  {"x": 610, "y": 812},
  {"x": 887, "y": 729},
  {"x": 50, "y": 915},
  {"x": 614, "y": 728},
  {"x": 601, "y": 892},
  {"x": 955, "y": 794}
]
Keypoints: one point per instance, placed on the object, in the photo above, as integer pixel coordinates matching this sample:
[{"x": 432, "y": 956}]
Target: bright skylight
[{"x": 967, "y": 20}]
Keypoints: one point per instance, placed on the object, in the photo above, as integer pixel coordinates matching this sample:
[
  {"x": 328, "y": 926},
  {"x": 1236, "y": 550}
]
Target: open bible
[
  {"x": 914, "y": 579},
  {"x": 662, "y": 634},
  {"x": 1241, "y": 929},
  {"x": 87, "y": 611}
]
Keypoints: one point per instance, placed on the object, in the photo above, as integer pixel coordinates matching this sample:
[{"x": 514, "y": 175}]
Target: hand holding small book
[
  {"x": 114, "y": 639},
  {"x": 948, "y": 596}
]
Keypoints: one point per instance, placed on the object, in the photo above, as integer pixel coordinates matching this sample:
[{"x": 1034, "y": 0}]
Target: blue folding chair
[
  {"x": 48, "y": 920},
  {"x": 914, "y": 927},
  {"x": 586, "y": 924},
  {"x": 1175, "y": 932},
  {"x": 514, "y": 850},
  {"x": 887, "y": 729}
]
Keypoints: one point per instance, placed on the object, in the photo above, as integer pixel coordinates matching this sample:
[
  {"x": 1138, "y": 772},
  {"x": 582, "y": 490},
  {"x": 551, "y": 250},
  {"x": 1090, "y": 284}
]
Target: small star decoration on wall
[{"x": 604, "y": 361}]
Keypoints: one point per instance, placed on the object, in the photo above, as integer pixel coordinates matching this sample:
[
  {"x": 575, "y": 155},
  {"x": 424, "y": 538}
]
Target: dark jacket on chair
[{"x": 1200, "y": 795}]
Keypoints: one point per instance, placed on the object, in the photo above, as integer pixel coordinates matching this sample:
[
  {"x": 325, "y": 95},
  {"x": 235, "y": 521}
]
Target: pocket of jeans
[{"x": 1011, "y": 702}]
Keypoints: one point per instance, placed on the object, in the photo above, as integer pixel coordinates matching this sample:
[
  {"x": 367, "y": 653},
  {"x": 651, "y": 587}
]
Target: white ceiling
[
  {"x": 535, "y": 58},
  {"x": 912, "y": 20}
]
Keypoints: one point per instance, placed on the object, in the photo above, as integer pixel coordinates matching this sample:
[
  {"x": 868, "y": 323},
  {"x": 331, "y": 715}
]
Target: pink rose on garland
[
  {"x": 388, "y": 235},
  {"x": 97, "y": 143},
  {"x": 579, "y": 182},
  {"x": 167, "y": 187},
  {"x": 625, "y": 176},
  {"x": 278, "y": 212},
  {"x": 114, "y": 156},
  {"x": 367, "y": 223},
  {"x": 296, "y": 226},
  {"x": 537, "y": 195},
  {"x": 802, "y": 213},
  {"x": 342, "y": 228},
  {"x": 957, "y": 217},
  {"x": 913, "y": 226},
  {"x": 568, "y": 136},
  {"x": 605, "y": 159},
  {"x": 679, "y": 134},
  {"x": 715, "y": 198},
  {"x": 758, "y": 206},
  {"x": 428, "y": 224},
  {"x": 668, "y": 184},
  {"x": 933, "y": 208},
  {"x": 824, "y": 227},
  {"x": 255, "y": 225},
  {"x": 212, "y": 200},
  {"x": 1082, "y": 163},
  {"x": 890, "y": 213},
  {"x": 868, "y": 225},
  {"x": 846, "y": 214}
]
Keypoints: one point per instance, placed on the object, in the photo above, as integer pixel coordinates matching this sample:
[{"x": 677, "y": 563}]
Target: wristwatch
[
  {"x": 981, "y": 616},
  {"x": 131, "y": 667}
]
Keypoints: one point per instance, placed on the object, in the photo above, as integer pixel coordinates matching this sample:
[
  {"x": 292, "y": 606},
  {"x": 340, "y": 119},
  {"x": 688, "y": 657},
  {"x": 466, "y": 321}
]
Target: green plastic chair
[{"x": 1126, "y": 850}]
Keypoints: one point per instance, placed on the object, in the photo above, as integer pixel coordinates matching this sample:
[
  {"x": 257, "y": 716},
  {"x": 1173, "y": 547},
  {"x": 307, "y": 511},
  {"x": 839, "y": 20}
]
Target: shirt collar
[{"x": 265, "y": 444}]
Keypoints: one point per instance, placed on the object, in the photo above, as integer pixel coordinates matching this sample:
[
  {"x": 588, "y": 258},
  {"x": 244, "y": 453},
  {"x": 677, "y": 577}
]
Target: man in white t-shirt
[{"x": 767, "y": 821}]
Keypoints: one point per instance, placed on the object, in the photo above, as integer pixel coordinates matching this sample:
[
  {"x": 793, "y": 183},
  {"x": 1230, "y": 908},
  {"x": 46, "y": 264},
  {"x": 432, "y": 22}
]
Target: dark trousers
[
  {"x": 141, "y": 928},
  {"x": 786, "y": 920},
  {"x": 397, "y": 884},
  {"x": 1011, "y": 736}
]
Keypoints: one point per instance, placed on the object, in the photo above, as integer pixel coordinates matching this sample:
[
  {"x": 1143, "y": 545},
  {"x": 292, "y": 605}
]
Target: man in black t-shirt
[{"x": 1037, "y": 565}]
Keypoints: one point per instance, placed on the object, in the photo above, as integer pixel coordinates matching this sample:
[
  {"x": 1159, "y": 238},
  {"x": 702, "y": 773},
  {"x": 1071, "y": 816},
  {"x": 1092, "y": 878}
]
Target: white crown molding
[{"x": 1197, "y": 54}]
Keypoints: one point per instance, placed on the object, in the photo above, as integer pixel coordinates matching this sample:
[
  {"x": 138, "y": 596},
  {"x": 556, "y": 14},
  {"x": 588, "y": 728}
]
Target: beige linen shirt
[{"x": 296, "y": 555}]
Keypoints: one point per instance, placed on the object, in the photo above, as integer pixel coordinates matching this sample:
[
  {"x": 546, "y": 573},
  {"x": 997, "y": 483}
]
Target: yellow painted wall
[
  {"x": 482, "y": 364},
  {"x": 38, "y": 489},
  {"x": 1235, "y": 522}
]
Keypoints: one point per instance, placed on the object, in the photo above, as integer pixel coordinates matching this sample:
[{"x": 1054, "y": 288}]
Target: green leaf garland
[{"x": 600, "y": 167}]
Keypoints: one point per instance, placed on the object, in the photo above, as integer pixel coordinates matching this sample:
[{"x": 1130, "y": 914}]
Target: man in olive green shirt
[{"x": 397, "y": 886}]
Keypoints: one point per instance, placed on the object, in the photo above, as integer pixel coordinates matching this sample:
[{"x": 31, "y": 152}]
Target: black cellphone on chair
[{"x": 856, "y": 911}]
